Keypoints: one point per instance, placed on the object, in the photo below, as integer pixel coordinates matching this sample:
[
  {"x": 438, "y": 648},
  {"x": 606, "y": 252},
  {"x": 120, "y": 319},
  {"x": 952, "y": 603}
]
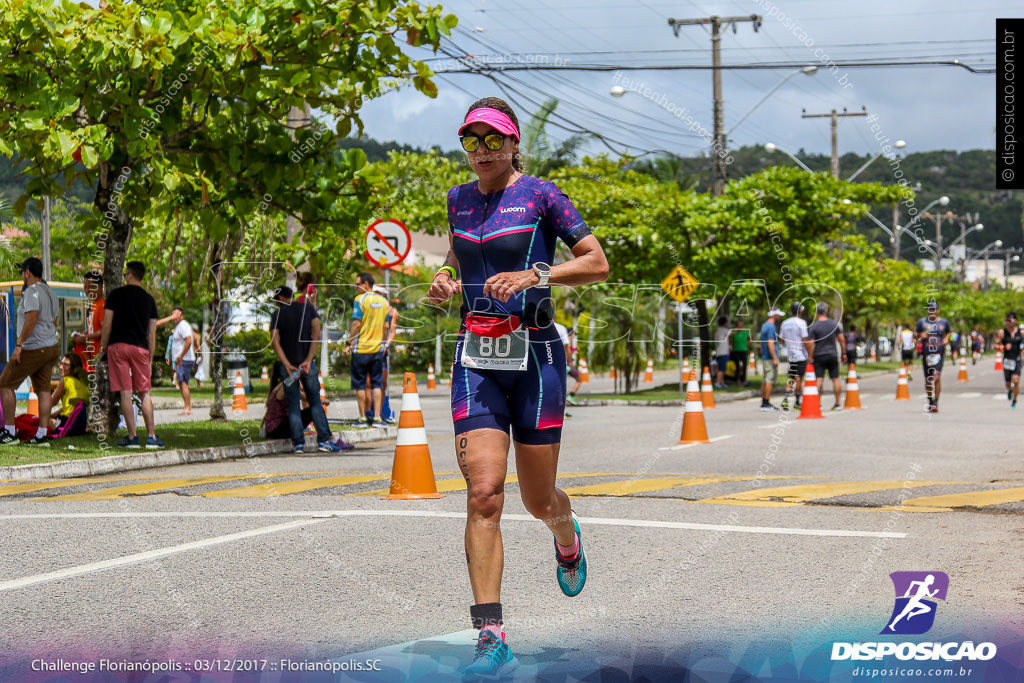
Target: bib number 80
[{"x": 499, "y": 347}]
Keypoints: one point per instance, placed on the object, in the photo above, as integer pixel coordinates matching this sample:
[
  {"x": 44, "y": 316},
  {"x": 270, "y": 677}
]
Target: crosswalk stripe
[
  {"x": 147, "y": 488},
  {"x": 631, "y": 486},
  {"x": 283, "y": 488},
  {"x": 797, "y": 495},
  {"x": 969, "y": 499}
]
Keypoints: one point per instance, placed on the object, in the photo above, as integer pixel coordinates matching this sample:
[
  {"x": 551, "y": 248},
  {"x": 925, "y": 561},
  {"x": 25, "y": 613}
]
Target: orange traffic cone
[
  {"x": 412, "y": 475},
  {"x": 962, "y": 377},
  {"x": 852, "y": 392},
  {"x": 584, "y": 373},
  {"x": 999, "y": 360},
  {"x": 751, "y": 364},
  {"x": 238, "y": 404},
  {"x": 873, "y": 357},
  {"x": 323, "y": 392},
  {"x": 431, "y": 380},
  {"x": 902, "y": 388},
  {"x": 695, "y": 430},
  {"x": 264, "y": 376},
  {"x": 649, "y": 375},
  {"x": 612, "y": 374},
  {"x": 33, "y": 402},
  {"x": 707, "y": 392},
  {"x": 686, "y": 369},
  {"x": 811, "y": 407}
]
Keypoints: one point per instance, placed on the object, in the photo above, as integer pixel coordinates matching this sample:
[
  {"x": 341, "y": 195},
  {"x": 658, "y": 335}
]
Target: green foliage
[
  {"x": 540, "y": 154},
  {"x": 255, "y": 344}
]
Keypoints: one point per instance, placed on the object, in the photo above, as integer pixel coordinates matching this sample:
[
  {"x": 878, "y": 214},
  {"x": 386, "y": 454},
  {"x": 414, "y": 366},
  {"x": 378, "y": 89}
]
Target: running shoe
[
  {"x": 328, "y": 447},
  {"x": 493, "y": 659},
  {"x": 769, "y": 407},
  {"x": 785, "y": 404},
  {"x": 571, "y": 399},
  {"x": 129, "y": 442},
  {"x": 836, "y": 408},
  {"x": 343, "y": 445},
  {"x": 154, "y": 442},
  {"x": 1013, "y": 405},
  {"x": 6, "y": 437},
  {"x": 38, "y": 441},
  {"x": 378, "y": 422},
  {"x": 300, "y": 449},
  {"x": 572, "y": 574}
]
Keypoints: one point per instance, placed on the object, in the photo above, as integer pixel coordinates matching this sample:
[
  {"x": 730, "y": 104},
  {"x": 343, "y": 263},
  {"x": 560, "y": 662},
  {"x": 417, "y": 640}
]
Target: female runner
[{"x": 509, "y": 361}]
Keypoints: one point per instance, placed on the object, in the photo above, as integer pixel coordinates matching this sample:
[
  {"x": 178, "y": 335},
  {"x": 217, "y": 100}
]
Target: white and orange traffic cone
[
  {"x": 612, "y": 374},
  {"x": 265, "y": 375},
  {"x": 649, "y": 375},
  {"x": 873, "y": 357},
  {"x": 902, "y": 387},
  {"x": 584, "y": 372},
  {"x": 323, "y": 391},
  {"x": 811, "y": 406},
  {"x": 238, "y": 404},
  {"x": 686, "y": 369},
  {"x": 695, "y": 430},
  {"x": 999, "y": 360},
  {"x": 412, "y": 474},
  {"x": 707, "y": 391},
  {"x": 751, "y": 364},
  {"x": 33, "y": 402},
  {"x": 852, "y": 392},
  {"x": 431, "y": 379},
  {"x": 962, "y": 377}
]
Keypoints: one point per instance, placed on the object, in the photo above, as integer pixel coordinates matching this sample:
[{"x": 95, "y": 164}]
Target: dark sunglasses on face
[{"x": 493, "y": 142}]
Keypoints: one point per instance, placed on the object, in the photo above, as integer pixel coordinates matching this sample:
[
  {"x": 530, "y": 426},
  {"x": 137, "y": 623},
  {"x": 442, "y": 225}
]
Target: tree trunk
[
  {"x": 705, "y": 335},
  {"x": 216, "y": 336},
  {"x": 171, "y": 259},
  {"x": 113, "y": 238}
]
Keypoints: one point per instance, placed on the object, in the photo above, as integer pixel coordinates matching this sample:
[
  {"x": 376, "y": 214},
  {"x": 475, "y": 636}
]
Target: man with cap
[
  {"x": 367, "y": 344},
  {"x": 390, "y": 330},
  {"x": 35, "y": 351},
  {"x": 933, "y": 332},
  {"x": 799, "y": 347},
  {"x": 769, "y": 357}
]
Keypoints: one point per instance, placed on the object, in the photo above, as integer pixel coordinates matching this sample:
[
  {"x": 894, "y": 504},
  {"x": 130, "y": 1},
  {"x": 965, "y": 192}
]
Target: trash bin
[{"x": 233, "y": 362}]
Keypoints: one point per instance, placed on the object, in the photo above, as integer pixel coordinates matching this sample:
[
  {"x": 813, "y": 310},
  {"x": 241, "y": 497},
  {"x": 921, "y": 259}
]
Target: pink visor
[{"x": 492, "y": 117}]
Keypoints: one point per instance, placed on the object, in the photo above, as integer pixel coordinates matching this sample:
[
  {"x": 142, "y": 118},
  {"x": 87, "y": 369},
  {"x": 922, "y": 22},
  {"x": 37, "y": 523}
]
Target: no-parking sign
[{"x": 387, "y": 243}]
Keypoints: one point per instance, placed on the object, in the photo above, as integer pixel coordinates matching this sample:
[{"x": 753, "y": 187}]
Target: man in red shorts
[{"x": 129, "y": 339}]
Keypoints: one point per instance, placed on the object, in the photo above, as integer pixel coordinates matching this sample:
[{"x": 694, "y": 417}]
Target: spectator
[
  {"x": 390, "y": 331},
  {"x": 87, "y": 344},
  {"x": 34, "y": 353},
  {"x": 852, "y": 338},
  {"x": 275, "y": 420},
  {"x": 129, "y": 339},
  {"x": 769, "y": 357},
  {"x": 72, "y": 394},
  {"x": 799, "y": 347},
  {"x": 721, "y": 351},
  {"x": 739, "y": 340},
  {"x": 183, "y": 357},
  {"x": 368, "y": 346},
  {"x": 201, "y": 350},
  {"x": 826, "y": 334},
  {"x": 295, "y": 336}
]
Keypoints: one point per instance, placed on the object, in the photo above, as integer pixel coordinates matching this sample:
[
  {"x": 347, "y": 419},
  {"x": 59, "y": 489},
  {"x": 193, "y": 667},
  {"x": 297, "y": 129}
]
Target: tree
[
  {"x": 540, "y": 155},
  {"x": 177, "y": 104}
]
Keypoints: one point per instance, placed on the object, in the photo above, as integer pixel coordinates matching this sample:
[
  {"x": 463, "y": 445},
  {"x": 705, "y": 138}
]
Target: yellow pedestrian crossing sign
[{"x": 679, "y": 284}]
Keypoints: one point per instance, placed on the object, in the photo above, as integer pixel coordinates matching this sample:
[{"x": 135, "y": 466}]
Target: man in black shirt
[
  {"x": 129, "y": 340},
  {"x": 933, "y": 332},
  {"x": 826, "y": 333},
  {"x": 295, "y": 337},
  {"x": 1010, "y": 341}
]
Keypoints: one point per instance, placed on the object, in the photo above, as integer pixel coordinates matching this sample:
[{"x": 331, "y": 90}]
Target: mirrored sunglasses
[{"x": 493, "y": 142}]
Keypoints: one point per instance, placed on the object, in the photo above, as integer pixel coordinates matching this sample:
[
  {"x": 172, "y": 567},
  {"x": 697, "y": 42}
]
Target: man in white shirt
[
  {"x": 799, "y": 347},
  {"x": 183, "y": 357},
  {"x": 721, "y": 352}
]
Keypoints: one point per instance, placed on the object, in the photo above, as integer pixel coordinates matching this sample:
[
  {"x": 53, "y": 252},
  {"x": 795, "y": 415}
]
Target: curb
[{"x": 69, "y": 469}]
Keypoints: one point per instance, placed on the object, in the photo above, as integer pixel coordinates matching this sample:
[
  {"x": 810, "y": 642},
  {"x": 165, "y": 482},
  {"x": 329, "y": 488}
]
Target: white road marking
[
  {"x": 149, "y": 555},
  {"x": 314, "y": 516},
  {"x": 969, "y": 394},
  {"x": 680, "y": 447}
]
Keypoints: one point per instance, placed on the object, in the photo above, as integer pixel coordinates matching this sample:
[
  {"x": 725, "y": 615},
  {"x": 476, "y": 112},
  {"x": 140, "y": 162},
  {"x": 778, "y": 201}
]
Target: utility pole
[
  {"x": 895, "y": 231},
  {"x": 718, "y": 145},
  {"x": 835, "y": 115},
  {"x": 718, "y": 153}
]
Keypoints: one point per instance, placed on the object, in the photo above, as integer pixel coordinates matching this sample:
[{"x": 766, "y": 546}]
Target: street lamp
[
  {"x": 943, "y": 200},
  {"x": 899, "y": 144},
  {"x": 997, "y": 244},
  {"x": 890, "y": 233},
  {"x": 1006, "y": 270},
  {"x": 808, "y": 70},
  {"x": 771, "y": 147}
]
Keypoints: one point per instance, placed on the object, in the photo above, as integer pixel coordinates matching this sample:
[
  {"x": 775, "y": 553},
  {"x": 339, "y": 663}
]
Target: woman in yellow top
[{"x": 71, "y": 398}]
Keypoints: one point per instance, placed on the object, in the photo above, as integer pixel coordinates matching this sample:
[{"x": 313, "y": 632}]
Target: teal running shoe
[
  {"x": 572, "y": 574},
  {"x": 493, "y": 660}
]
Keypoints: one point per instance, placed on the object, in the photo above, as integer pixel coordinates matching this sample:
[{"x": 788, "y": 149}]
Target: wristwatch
[{"x": 543, "y": 273}]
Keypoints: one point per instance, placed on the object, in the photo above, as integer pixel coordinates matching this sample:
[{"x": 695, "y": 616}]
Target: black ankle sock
[{"x": 485, "y": 613}]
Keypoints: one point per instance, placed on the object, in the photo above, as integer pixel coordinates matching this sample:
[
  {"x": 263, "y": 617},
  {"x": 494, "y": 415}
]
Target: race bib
[
  {"x": 507, "y": 352},
  {"x": 1009, "y": 364},
  {"x": 933, "y": 358}
]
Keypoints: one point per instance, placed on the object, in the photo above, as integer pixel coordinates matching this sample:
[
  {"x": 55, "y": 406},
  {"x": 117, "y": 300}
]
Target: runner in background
[
  {"x": 570, "y": 362},
  {"x": 933, "y": 333},
  {"x": 908, "y": 344},
  {"x": 1009, "y": 340}
]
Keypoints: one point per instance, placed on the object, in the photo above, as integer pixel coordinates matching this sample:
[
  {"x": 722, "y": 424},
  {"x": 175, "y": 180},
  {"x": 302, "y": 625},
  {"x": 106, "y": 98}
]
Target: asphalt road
[{"x": 757, "y": 551}]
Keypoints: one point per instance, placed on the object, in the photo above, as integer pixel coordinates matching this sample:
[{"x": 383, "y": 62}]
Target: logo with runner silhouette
[{"x": 916, "y": 593}]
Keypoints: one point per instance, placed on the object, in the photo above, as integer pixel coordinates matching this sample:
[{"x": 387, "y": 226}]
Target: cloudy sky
[{"x": 930, "y": 107}]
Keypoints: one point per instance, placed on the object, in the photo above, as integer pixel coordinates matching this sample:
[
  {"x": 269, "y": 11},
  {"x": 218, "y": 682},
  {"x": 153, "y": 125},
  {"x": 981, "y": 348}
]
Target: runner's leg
[
  {"x": 483, "y": 459},
  {"x": 536, "y": 467}
]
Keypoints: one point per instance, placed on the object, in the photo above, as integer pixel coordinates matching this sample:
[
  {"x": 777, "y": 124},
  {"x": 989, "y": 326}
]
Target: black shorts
[
  {"x": 851, "y": 355},
  {"x": 829, "y": 364},
  {"x": 908, "y": 355},
  {"x": 1008, "y": 374},
  {"x": 797, "y": 370},
  {"x": 364, "y": 364},
  {"x": 935, "y": 369}
]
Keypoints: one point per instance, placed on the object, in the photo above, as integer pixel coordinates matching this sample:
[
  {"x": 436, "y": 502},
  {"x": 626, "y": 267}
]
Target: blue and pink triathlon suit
[{"x": 506, "y": 231}]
